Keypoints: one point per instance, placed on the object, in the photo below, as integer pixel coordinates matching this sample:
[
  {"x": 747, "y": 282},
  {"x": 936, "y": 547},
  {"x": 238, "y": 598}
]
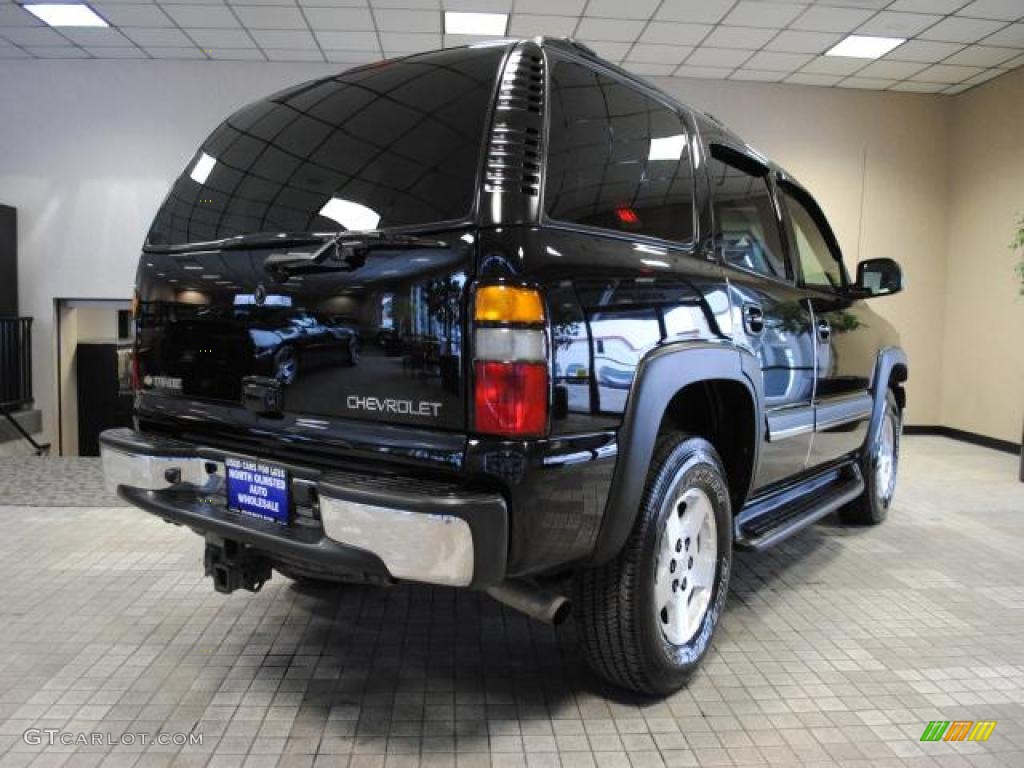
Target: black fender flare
[
  {"x": 888, "y": 359},
  {"x": 663, "y": 373}
]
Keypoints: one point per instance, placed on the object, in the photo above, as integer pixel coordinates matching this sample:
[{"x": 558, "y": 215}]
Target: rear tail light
[{"x": 510, "y": 365}]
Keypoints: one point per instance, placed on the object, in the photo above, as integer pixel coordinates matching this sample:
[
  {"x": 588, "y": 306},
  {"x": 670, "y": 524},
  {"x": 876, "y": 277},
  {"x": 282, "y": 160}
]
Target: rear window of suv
[{"x": 390, "y": 145}]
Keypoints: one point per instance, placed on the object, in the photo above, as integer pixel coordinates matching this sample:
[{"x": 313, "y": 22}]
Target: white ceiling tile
[
  {"x": 270, "y": 17},
  {"x": 324, "y": 3},
  {"x": 15, "y": 16},
  {"x": 872, "y": 5},
  {"x": 175, "y": 52},
  {"x": 775, "y": 61},
  {"x": 718, "y": 57},
  {"x": 293, "y": 54},
  {"x": 961, "y": 30},
  {"x": 349, "y": 41},
  {"x": 896, "y": 70},
  {"x": 953, "y": 90},
  {"x": 136, "y": 15},
  {"x": 221, "y": 38},
  {"x": 1011, "y": 36},
  {"x": 703, "y": 12},
  {"x": 352, "y": 58},
  {"x": 738, "y": 37},
  {"x": 945, "y": 73},
  {"x": 111, "y": 52},
  {"x": 236, "y": 54},
  {"x": 190, "y": 2},
  {"x": 647, "y": 53},
  {"x": 1005, "y": 10},
  {"x": 10, "y": 52},
  {"x": 925, "y": 51},
  {"x": 479, "y": 6},
  {"x": 648, "y": 69},
  {"x": 866, "y": 83},
  {"x": 708, "y": 73},
  {"x": 802, "y": 78},
  {"x": 339, "y": 18},
  {"x": 157, "y": 38},
  {"x": 95, "y": 36},
  {"x": 408, "y": 4},
  {"x": 981, "y": 56},
  {"x": 202, "y": 16},
  {"x": 33, "y": 36},
  {"x": 800, "y": 41},
  {"x": 283, "y": 39},
  {"x": 624, "y": 30},
  {"x": 927, "y": 6},
  {"x": 671, "y": 33},
  {"x": 1014, "y": 63},
  {"x": 984, "y": 76},
  {"x": 527, "y": 24},
  {"x": 408, "y": 42},
  {"x": 911, "y": 86},
  {"x": 58, "y": 52},
  {"x": 393, "y": 20},
  {"x": 893, "y": 24},
  {"x": 757, "y": 75},
  {"x": 552, "y": 7},
  {"x": 762, "y": 14},
  {"x": 616, "y": 9},
  {"x": 827, "y": 19},
  {"x": 833, "y": 65},
  {"x": 610, "y": 50}
]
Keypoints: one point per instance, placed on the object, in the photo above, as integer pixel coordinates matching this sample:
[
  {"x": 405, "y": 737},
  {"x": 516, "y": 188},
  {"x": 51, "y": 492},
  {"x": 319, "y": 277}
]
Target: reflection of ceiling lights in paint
[
  {"x": 66, "y": 15},
  {"x": 201, "y": 170},
  {"x": 458, "y": 23},
  {"x": 352, "y": 216},
  {"x": 864, "y": 46},
  {"x": 667, "y": 148}
]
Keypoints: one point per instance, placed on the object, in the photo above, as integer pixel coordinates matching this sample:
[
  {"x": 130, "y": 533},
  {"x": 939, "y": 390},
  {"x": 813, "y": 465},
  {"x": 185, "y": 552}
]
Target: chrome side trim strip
[
  {"x": 437, "y": 549},
  {"x": 790, "y": 422},
  {"x": 842, "y": 411}
]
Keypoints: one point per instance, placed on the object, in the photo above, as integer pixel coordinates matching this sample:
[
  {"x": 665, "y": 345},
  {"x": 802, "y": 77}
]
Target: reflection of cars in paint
[{"x": 302, "y": 342}]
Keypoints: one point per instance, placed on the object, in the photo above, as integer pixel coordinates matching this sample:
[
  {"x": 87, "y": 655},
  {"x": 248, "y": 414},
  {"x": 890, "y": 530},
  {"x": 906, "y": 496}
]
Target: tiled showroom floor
[{"x": 836, "y": 649}]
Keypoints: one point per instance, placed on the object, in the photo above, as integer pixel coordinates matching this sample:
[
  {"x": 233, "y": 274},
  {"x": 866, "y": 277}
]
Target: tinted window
[
  {"x": 390, "y": 145},
  {"x": 746, "y": 225},
  {"x": 820, "y": 268},
  {"x": 617, "y": 159}
]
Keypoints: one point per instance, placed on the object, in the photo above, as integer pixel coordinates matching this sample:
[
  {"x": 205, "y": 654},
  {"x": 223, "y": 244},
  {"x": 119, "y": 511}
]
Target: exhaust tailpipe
[{"x": 533, "y": 601}]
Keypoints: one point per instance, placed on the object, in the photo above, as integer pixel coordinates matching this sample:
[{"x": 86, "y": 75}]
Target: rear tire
[
  {"x": 879, "y": 464},
  {"x": 646, "y": 618}
]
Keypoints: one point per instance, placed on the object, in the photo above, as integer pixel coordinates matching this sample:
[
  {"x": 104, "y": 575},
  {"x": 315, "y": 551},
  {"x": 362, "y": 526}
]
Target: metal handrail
[{"x": 15, "y": 363}]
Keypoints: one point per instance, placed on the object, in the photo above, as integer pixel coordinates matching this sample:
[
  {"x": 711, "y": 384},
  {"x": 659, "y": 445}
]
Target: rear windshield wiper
[{"x": 348, "y": 249}]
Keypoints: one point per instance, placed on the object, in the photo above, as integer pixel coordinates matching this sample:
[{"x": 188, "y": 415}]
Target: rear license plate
[{"x": 258, "y": 489}]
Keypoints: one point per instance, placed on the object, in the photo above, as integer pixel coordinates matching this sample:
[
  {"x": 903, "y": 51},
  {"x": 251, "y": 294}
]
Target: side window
[
  {"x": 617, "y": 159},
  {"x": 819, "y": 266},
  {"x": 746, "y": 227}
]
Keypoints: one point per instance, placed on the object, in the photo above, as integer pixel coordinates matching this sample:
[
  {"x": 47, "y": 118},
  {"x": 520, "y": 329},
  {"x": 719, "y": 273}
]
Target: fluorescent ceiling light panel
[
  {"x": 58, "y": 15},
  {"x": 353, "y": 216},
  {"x": 865, "y": 46},
  {"x": 458, "y": 23},
  {"x": 667, "y": 148},
  {"x": 201, "y": 170}
]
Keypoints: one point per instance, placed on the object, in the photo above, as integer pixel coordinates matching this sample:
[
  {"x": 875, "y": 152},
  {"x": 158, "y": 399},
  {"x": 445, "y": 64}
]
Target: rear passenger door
[
  {"x": 844, "y": 354},
  {"x": 771, "y": 317}
]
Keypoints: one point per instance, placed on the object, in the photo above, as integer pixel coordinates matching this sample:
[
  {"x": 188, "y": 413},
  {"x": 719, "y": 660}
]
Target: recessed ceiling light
[
  {"x": 865, "y": 46},
  {"x": 59, "y": 15},
  {"x": 458, "y": 23}
]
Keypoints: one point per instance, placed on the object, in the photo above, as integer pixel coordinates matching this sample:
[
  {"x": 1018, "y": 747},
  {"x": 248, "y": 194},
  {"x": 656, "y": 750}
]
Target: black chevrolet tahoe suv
[{"x": 505, "y": 317}]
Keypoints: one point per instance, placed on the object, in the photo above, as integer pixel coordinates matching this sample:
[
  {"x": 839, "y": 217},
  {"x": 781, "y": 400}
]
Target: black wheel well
[
  {"x": 722, "y": 412},
  {"x": 897, "y": 376}
]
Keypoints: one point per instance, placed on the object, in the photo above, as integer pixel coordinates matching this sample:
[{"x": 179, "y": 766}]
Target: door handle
[
  {"x": 753, "y": 318},
  {"x": 824, "y": 330}
]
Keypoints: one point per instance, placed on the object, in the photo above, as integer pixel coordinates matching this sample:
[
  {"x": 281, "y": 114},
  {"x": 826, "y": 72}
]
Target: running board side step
[{"x": 768, "y": 521}]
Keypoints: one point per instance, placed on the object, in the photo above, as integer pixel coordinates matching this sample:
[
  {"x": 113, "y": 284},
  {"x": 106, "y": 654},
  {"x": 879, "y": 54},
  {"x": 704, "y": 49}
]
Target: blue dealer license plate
[{"x": 258, "y": 489}]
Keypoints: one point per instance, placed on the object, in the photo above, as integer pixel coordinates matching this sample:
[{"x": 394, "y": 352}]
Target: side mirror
[{"x": 878, "y": 277}]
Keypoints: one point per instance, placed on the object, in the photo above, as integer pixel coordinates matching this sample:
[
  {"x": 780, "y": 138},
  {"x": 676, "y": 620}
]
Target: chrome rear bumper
[{"x": 435, "y": 533}]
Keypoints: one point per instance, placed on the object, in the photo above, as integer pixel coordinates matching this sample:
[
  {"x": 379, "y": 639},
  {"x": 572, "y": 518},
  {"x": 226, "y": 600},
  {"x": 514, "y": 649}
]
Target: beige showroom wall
[
  {"x": 983, "y": 353},
  {"x": 89, "y": 148}
]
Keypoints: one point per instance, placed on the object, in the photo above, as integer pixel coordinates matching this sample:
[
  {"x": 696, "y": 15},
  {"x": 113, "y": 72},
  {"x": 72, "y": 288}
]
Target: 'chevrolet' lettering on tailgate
[{"x": 390, "y": 405}]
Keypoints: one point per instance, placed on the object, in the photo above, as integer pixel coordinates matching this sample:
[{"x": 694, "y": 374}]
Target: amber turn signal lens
[{"x": 508, "y": 304}]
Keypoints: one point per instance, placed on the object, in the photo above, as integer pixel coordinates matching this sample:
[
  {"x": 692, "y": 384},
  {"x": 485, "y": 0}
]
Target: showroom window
[
  {"x": 745, "y": 220},
  {"x": 818, "y": 264},
  {"x": 617, "y": 159}
]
